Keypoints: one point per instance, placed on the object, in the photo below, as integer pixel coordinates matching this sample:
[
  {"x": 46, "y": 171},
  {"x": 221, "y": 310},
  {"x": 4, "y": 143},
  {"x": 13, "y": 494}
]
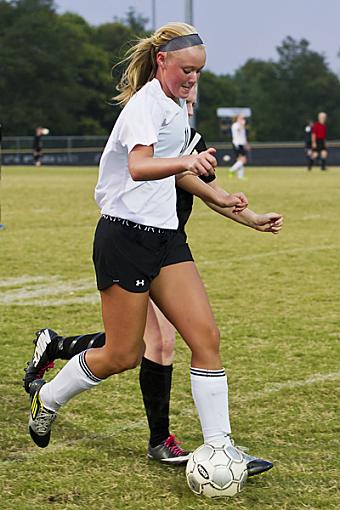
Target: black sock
[
  {"x": 155, "y": 384},
  {"x": 69, "y": 346},
  {"x": 310, "y": 163},
  {"x": 323, "y": 164}
]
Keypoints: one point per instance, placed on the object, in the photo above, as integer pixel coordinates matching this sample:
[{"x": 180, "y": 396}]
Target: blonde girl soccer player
[{"x": 135, "y": 252}]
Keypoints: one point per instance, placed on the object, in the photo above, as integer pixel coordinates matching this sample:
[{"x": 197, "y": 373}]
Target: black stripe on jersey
[
  {"x": 187, "y": 137},
  {"x": 207, "y": 373},
  {"x": 85, "y": 368}
]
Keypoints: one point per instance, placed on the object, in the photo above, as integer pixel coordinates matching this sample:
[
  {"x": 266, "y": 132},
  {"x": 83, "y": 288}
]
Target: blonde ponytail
[{"x": 141, "y": 59}]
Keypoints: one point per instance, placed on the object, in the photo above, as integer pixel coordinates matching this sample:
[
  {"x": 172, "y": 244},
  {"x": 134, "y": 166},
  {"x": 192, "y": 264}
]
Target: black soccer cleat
[
  {"x": 169, "y": 452},
  {"x": 41, "y": 419},
  {"x": 41, "y": 361},
  {"x": 256, "y": 465}
]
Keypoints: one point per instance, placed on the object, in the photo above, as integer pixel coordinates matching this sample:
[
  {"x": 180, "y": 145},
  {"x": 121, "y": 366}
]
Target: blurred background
[{"x": 279, "y": 59}]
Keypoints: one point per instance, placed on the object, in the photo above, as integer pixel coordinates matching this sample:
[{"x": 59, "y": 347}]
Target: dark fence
[{"x": 86, "y": 151}]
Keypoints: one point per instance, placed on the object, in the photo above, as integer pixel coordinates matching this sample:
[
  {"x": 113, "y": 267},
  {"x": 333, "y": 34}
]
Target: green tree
[
  {"x": 254, "y": 82},
  {"x": 115, "y": 38},
  {"x": 304, "y": 86},
  {"x": 214, "y": 92},
  {"x": 55, "y": 70},
  {"x": 44, "y": 57},
  {"x": 284, "y": 95}
]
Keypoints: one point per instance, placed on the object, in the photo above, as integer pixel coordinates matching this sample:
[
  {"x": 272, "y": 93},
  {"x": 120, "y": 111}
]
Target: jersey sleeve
[
  {"x": 200, "y": 147},
  {"x": 143, "y": 120}
]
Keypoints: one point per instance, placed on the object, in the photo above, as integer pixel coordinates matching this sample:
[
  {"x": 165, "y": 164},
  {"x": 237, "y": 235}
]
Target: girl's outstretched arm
[
  {"x": 268, "y": 222},
  {"x": 217, "y": 197}
]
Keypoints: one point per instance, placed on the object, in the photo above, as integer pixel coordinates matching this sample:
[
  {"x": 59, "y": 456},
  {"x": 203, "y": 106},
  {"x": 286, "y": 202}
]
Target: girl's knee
[
  {"x": 161, "y": 349},
  {"x": 116, "y": 363},
  {"x": 168, "y": 347},
  {"x": 213, "y": 337},
  {"x": 208, "y": 344}
]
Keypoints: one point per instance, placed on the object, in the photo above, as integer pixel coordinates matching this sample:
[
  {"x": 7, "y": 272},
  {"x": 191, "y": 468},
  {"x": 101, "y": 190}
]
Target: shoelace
[
  {"x": 172, "y": 444},
  {"x": 44, "y": 369},
  {"x": 43, "y": 421}
]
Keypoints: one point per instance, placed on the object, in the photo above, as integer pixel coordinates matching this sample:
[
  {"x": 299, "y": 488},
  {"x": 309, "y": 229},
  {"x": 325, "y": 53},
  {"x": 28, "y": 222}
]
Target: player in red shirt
[{"x": 319, "y": 134}]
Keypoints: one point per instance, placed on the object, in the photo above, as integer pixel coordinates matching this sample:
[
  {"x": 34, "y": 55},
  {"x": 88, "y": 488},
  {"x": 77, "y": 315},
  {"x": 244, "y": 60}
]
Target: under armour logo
[{"x": 139, "y": 282}]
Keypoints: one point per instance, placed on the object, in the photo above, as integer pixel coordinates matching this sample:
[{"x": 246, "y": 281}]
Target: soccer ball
[
  {"x": 45, "y": 131},
  {"x": 226, "y": 158},
  {"x": 216, "y": 471}
]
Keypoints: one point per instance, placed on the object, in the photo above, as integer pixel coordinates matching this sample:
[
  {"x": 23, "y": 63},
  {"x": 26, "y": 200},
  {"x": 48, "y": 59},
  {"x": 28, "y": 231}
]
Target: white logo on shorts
[{"x": 139, "y": 282}]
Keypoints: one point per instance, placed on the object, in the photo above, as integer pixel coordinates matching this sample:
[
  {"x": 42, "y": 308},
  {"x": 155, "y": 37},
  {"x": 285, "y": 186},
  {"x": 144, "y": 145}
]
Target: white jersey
[
  {"x": 149, "y": 118},
  {"x": 238, "y": 133}
]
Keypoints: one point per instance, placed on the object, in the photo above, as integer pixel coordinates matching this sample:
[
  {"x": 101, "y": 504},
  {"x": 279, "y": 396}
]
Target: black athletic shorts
[
  {"x": 320, "y": 145},
  {"x": 132, "y": 255},
  {"x": 239, "y": 150}
]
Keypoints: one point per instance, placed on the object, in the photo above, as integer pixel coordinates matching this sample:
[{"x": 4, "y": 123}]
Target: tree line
[{"x": 56, "y": 71}]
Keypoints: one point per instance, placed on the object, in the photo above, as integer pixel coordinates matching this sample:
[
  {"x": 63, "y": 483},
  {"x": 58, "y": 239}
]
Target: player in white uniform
[
  {"x": 135, "y": 252},
  {"x": 240, "y": 146}
]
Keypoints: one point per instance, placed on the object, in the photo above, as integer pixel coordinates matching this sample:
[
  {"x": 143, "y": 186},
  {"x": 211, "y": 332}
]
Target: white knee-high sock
[
  {"x": 210, "y": 393},
  {"x": 236, "y": 166},
  {"x": 74, "y": 378}
]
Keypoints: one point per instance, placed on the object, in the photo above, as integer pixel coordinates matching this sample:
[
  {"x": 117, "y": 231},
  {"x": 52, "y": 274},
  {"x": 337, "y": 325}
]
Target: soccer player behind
[
  {"x": 240, "y": 146},
  {"x": 37, "y": 146},
  {"x": 319, "y": 134}
]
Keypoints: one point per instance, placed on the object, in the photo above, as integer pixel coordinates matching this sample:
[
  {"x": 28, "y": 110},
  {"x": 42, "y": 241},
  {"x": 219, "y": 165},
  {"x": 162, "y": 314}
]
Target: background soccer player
[
  {"x": 319, "y": 135},
  {"x": 240, "y": 146},
  {"x": 308, "y": 145},
  {"x": 37, "y": 146}
]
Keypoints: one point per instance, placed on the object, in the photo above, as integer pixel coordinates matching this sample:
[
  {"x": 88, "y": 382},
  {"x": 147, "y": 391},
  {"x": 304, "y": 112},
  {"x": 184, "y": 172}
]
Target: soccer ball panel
[
  {"x": 216, "y": 471},
  {"x": 233, "y": 489},
  {"x": 194, "y": 485},
  {"x": 203, "y": 453},
  {"x": 222, "y": 477},
  {"x": 219, "y": 457},
  {"x": 238, "y": 470}
]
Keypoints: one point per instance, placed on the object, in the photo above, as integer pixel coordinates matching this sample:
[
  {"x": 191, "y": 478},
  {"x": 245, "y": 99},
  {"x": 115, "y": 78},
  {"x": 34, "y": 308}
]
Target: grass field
[{"x": 277, "y": 302}]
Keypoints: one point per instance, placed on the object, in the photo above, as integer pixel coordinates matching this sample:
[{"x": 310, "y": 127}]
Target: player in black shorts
[
  {"x": 37, "y": 146},
  {"x": 319, "y": 135},
  {"x": 160, "y": 335},
  {"x": 308, "y": 145},
  {"x": 240, "y": 146}
]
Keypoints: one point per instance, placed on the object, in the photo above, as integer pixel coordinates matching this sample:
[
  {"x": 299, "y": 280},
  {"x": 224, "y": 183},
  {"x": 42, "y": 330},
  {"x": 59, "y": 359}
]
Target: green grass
[{"x": 277, "y": 302}]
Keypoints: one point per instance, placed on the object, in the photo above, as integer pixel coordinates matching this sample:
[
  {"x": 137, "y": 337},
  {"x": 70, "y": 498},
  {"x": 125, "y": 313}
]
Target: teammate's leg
[
  {"x": 240, "y": 171},
  {"x": 159, "y": 337},
  {"x": 155, "y": 382},
  {"x": 156, "y": 373},
  {"x": 323, "y": 159},
  {"x": 310, "y": 159},
  {"x": 237, "y": 166}
]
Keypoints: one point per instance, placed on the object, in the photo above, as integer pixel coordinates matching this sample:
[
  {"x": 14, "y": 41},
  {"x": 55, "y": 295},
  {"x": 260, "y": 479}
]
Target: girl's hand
[
  {"x": 242, "y": 204},
  {"x": 269, "y": 222},
  {"x": 238, "y": 201},
  {"x": 203, "y": 163}
]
